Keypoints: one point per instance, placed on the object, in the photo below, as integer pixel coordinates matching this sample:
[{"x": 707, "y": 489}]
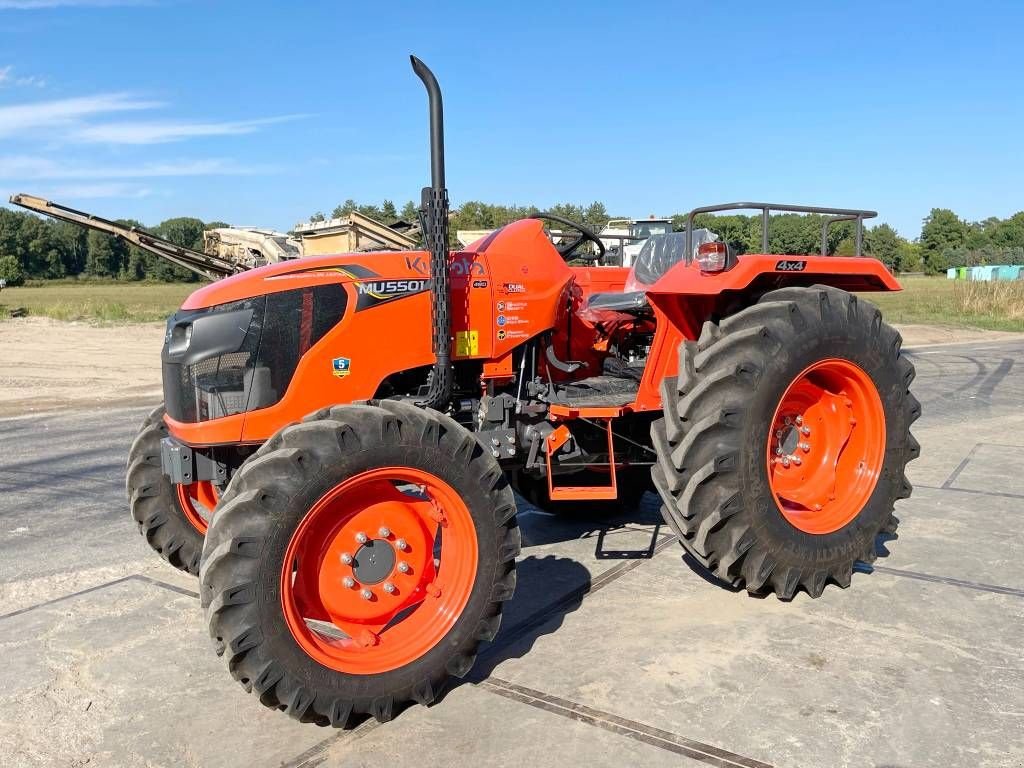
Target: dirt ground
[{"x": 47, "y": 365}]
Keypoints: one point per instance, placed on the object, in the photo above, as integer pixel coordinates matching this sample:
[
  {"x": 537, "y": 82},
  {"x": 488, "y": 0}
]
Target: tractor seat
[{"x": 657, "y": 256}]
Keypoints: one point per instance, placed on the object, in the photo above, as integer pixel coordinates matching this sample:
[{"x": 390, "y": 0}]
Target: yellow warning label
[{"x": 467, "y": 343}]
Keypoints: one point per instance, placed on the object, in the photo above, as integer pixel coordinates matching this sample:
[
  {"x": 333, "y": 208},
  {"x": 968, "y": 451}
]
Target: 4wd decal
[
  {"x": 788, "y": 265},
  {"x": 374, "y": 292}
]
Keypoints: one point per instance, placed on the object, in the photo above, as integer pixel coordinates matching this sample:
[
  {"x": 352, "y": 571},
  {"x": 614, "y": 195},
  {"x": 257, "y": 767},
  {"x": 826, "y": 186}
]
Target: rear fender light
[{"x": 711, "y": 257}]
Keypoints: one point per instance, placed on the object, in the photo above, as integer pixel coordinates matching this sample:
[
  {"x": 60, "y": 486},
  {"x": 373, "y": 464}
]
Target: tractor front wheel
[
  {"x": 172, "y": 518},
  {"x": 357, "y": 560},
  {"x": 785, "y": 439}
]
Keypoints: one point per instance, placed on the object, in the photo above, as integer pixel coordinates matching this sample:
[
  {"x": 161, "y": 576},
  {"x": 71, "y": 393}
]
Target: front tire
[
  {"x": 749, "y": 494},
  {"x": 358, "y": 560},
  {"x": 169, "y": 517}
]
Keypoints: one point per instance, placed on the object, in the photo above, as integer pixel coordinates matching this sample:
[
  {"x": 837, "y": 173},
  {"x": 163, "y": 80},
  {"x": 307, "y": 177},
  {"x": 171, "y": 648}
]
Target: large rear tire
[
  {"x": 172, "y": 519},
  {"x": 359, "y": 559},
  {"x": 785, "y": 439}
]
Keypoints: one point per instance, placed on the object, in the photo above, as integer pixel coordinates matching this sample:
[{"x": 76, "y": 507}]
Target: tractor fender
[{"x": 769, "y": 271}]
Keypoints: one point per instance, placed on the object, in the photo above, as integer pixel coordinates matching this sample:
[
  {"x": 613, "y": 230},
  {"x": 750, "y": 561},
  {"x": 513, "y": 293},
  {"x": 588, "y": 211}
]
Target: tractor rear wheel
[
  {"x": 172, "y": 518},
  {"x": 357, "y": 560},
  {"x": 785, "y": 439}
]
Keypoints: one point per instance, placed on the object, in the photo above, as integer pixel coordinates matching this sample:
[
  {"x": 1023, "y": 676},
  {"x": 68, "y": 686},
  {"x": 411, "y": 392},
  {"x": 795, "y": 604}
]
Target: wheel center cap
[
  {"x": 790, "y": 440},
  {"x": 374, "y": 561}
]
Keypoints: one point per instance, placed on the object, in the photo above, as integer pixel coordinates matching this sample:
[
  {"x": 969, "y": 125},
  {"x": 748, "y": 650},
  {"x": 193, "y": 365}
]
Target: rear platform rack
[{"x": 833, "y": 214}]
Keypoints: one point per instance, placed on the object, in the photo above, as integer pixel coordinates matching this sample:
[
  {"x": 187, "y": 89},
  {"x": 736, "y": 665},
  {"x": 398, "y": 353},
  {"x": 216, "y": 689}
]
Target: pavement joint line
[
  {"x": 705, "y": 753},
  {"x": 130, "y": 577},
  {"x": 999, "y": 494},
  {"x": 316, "y": 754},
  {"x": 995, "y": 588}
]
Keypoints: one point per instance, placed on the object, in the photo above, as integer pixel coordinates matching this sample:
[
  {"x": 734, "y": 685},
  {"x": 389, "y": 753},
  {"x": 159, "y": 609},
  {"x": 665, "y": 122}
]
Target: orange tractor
[{"x": 341, "y": 435}]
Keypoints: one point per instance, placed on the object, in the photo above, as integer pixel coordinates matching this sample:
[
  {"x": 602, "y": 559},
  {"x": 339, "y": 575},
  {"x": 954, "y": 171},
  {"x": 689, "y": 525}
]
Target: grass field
[
  {"x": 995, "y": 306},
  {"x": 925, "y": 300},
  {"x": 103, "y": 302}
]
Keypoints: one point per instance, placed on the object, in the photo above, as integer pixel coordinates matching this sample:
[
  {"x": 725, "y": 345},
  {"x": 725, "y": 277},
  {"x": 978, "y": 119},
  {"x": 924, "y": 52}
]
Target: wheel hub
[{"x": 373, "y": 561}]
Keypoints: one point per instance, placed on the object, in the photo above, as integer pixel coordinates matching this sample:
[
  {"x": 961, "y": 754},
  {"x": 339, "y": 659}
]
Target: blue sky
[{"x": 260, "y": 113}]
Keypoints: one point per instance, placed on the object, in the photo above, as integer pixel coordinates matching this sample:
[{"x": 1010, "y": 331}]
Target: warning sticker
[{"x": 467, "y": 343}]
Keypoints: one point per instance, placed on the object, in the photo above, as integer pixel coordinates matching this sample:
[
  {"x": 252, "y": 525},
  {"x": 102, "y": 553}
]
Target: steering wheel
[{"x": 566, "y": 251}]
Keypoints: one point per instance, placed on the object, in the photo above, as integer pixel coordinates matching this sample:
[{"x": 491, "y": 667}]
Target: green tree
[
  {"x": 941, "y": 231},
  {"x": 11, "y": 270},
  {"x": 106, "y": 255},
  {"x": 883, "y": 242},
  {"x": 410, "y": 212}
]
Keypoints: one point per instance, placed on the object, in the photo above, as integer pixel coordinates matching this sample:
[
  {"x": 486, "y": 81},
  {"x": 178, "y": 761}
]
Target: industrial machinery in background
[
  {"x": 229, "y": 250},
  {"x": 341, "y": 434}
]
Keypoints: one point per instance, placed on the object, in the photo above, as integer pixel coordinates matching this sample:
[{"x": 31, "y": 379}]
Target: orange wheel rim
[
  {"x": 379, "y": 570},
  {"x": 198, "y": 500},
  {"x": 826, "y": 446}
]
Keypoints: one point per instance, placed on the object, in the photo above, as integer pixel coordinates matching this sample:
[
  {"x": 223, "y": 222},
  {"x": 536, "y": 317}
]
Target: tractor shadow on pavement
[{"x": 548, "y": 589}]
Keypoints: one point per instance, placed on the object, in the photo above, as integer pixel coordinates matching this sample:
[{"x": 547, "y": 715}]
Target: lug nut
[
  {"x": 384, "y": 532},
  {"x": 778, "y": 451},
  {"x": 805, "y": 447},
  {"x": 403, "y": 567},
  {"x": 366, "y": 594},
  {"x": 785, "y": 461},
  {"x": 361, "y": 537},
  {"x": 348, "y": 582},
  {"x": 805, "y": 431},
  {"x": 787, "y": 421},
  {"x": 402, "y": 545},
  {"x": 346, "y": 558},
  {"x": 797, "y": 461},
  {"x": 389, "y": 587},
  {"x": 778, "y": 433},
  {"x": 799, "y": 419}
]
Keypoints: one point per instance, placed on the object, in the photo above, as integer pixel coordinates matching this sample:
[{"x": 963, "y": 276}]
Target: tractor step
[{"x": 553, "y": 444}]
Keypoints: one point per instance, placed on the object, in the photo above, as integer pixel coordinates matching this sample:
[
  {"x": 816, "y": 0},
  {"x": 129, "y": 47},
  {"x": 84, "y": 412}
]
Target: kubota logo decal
[
  {"x": 786, "y": 265},
  {"x": 462, "y": 266}
]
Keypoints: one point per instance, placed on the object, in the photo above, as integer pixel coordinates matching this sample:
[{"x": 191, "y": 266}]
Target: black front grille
[{"x": 214, "y": 366}]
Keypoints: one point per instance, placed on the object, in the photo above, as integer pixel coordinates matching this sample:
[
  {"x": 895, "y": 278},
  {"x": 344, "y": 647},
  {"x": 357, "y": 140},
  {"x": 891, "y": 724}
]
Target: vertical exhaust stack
[{"x": 434, "y": 223}]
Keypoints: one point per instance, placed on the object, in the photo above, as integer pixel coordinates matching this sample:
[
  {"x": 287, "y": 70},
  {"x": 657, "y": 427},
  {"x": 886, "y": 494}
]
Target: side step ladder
[{"x": 553, "y": 444}]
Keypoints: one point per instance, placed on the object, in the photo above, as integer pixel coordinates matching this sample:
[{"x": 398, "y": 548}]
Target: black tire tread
[{"x": 154, "y": 504}]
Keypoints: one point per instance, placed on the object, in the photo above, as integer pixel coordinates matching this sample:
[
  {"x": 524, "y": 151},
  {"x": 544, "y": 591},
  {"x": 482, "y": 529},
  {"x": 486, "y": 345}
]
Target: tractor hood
[{"x": 371, "y": 266}]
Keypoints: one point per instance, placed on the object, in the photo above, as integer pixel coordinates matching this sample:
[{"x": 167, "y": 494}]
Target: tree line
[{"x": 32, "y": 247}]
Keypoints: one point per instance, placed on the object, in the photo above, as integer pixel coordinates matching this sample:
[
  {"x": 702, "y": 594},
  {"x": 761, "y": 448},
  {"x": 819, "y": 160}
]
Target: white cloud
[
  {"x": 7, "y": 78},
  {"x": 158, "y": 132},
  {"x": 65, "y": 112},
  {"x": 38, "y": 5},
  {"x": 30, "y": 168}
]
